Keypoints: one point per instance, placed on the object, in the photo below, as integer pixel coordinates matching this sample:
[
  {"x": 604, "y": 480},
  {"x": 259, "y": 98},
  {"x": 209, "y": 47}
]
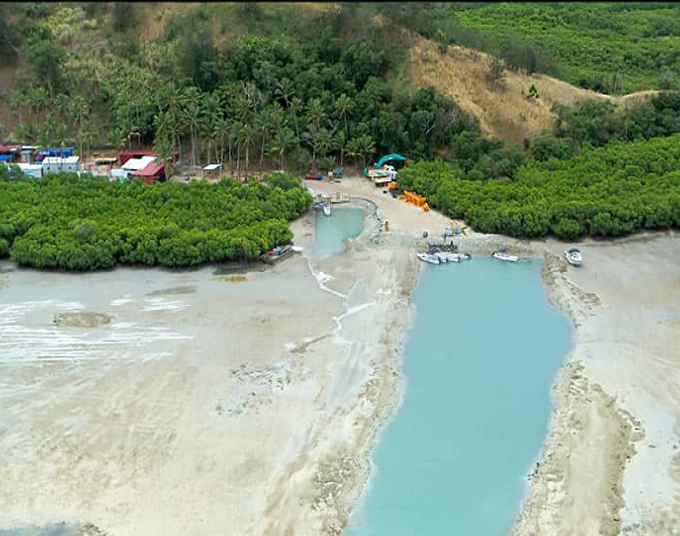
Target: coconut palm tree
[
  {"x": 221, "y": 135},
  {"x": 339, "y": 143},
  {"x": 284, "y": 139},
  {"x": 295, "y": 108},
  {"x": 37, "y": 98},
  {"x": 191, "y": 114},
  {"x": 366, "y": 147},
  {"x": 285, "y": 90},
  {"x": 246, "y": 135},
  {"x": 353, "y": 149},
  {"x": 210, "y": 113},
  {"x": 343, "y": 107},
  {"x": 324, "y": 142},
  {"x": 18, "y": 101},
  {"x": 81, "y": 110},
  {"x": 88, "y": 135},
  {"x": 315, "y": 112}
]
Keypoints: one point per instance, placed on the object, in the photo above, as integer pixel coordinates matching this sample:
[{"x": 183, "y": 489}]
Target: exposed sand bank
[{"x": 248, "y": 404}]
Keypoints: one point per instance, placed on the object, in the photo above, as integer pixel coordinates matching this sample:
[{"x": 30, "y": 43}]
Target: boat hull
[
  {"x": 505, "y": 257},
  {"x": 426, "y": 257},
  {"x": 573, "y": 257}
]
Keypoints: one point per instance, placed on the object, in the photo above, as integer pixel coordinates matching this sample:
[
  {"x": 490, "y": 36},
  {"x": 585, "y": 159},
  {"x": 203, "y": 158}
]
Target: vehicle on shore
[
  {"x": 381, "y": 176},
  {"x": 573, "y": 256},
  {"x": 503, "y": 255}
]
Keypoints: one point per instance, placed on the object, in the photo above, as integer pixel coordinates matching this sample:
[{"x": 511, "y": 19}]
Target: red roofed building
[
  {"x": 139, "y": 153},
  {"x": 126, "y": 155},
  {"x": 10, "y": 153},
  {"x": 152, "y": 172}
]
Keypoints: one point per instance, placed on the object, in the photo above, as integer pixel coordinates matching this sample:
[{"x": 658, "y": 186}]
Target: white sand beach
[{"x": 249, "y": 405}]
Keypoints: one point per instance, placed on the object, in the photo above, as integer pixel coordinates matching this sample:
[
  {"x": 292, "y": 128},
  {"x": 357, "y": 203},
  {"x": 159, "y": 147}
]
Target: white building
[
  {"x": 135, "y": 164},
  {"x": 55, "y": 164},
  {"x": 32, "y": 170}
]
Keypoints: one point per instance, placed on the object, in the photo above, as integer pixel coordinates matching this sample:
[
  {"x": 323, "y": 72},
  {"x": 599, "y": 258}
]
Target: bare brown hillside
[{"x": 507, "y": 114}]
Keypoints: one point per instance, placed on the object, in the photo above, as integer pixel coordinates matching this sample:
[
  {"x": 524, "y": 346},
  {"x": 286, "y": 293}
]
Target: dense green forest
[
  {"x": 291, "y": 90},
  {"x": 283, "y": 86},
  {"x": 85, "y": 223},
  {"x": 278, "y": 86},
  {"x": 602, "y": 191}
]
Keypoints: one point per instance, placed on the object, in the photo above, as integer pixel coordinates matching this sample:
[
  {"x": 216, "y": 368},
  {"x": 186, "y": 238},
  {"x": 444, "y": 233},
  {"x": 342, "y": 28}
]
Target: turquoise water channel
[{"x": 479, "y": 364}]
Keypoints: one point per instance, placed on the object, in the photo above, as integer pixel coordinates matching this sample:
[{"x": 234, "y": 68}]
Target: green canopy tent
[{"x": 388, "y": 158}]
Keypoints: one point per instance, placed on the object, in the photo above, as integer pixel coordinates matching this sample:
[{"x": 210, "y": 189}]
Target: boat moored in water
[
  {"x": 447, "y": 256},
  {"x": 573, "y": 256},
  {"x": 427, "y": 257},
  {"x": 503, "y": 255},
  {"x": 451, "y": 256}
]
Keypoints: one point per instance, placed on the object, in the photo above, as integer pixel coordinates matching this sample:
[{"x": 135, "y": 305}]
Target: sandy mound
[{"x": 82, "y": 320}]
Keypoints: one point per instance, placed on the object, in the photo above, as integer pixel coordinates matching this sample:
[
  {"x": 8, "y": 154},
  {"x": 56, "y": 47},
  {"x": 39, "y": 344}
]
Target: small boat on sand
[
  {"x": 503, "y": 255},
  {"x": 427, "y": 257},
  {"x": 277, "y": 253},
  {"x": 573, "y": 257}
]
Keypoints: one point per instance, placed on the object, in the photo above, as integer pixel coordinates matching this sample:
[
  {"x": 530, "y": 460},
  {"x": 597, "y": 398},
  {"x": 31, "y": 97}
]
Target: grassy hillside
[{"x": 610, "y": 47}]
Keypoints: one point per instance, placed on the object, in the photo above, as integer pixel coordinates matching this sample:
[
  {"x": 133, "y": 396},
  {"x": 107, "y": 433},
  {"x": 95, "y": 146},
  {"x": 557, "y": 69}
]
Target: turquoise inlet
[
  {"x": 331, "y": 231},
  {"x": 479, "y": 364}
]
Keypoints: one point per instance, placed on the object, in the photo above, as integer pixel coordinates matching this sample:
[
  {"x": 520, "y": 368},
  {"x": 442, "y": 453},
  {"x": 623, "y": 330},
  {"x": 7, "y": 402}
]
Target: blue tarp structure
[
  {"x": 385, "y": 159},
  {"x": 5, "y": 157},
  {"x": 60, "y": 152}
]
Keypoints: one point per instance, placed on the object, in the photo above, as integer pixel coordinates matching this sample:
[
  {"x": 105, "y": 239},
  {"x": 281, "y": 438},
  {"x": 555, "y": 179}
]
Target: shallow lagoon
[{"x": 331, "y": 231}]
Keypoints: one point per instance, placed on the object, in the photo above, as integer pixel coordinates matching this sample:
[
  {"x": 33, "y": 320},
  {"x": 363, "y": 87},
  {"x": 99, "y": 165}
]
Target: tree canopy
[{"x": 64, "y": 221}]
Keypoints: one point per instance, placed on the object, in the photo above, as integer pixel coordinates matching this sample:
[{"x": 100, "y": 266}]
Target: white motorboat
[
  {"x": 427, "y": 257},
  {"x": 503, "y": 255},
  {"x": 327, "y": 209},
  {"x": 447, "y": 256},
  {"x": 573, "y": 257}
]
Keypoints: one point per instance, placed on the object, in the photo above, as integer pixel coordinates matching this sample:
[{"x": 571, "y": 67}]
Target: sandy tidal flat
[
  {"x": 188, "y": 403},
  {"x": 203, "y": 404}
]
